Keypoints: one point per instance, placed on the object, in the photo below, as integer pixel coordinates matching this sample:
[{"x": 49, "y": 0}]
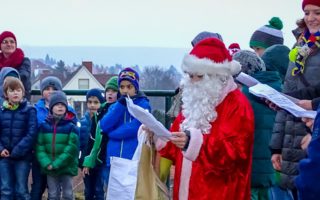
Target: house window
[{"x": 83, "y": 84}]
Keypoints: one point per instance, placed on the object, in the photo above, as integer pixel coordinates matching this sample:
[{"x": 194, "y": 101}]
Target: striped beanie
[{"x": 268, "y": 35}]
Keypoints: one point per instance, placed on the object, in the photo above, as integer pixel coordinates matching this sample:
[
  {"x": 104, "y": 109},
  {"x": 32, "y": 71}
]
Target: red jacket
[{"x": 216, "y": 166}]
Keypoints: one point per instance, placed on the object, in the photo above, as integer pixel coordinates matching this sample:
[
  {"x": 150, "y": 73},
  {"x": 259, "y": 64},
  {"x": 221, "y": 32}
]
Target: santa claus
[{"x": 212, "y": 138}]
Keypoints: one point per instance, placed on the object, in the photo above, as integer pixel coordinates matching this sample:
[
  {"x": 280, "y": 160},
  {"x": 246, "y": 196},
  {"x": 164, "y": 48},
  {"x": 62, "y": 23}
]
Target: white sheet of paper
[
  {"x": 147, "y": 119},
  {"x": 265, "y": 91},
  {"x": 246, "y": 79}
]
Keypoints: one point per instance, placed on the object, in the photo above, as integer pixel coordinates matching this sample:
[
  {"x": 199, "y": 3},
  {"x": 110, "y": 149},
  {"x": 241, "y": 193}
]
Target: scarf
[
  {"x": 14, "y": 60},
  {"x": 10, "y": 106},
  {"x": 299, "y": 54}
]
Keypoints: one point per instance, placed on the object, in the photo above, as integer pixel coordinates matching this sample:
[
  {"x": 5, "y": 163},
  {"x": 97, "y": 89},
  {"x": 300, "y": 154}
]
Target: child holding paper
[{"x": 120, "y": 127}]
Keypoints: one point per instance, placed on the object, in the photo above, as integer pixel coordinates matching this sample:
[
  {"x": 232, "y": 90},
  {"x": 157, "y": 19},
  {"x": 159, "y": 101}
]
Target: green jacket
[
  {"x": 91, "y": 160},
  {"x": 263, "y": 174},
  {"x": 58, "y": 145},
  {"x": 96, "y": 152}
]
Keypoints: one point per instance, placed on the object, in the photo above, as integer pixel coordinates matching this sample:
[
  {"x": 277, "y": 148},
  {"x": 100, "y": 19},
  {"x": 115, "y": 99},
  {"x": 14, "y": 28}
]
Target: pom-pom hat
[{"x": 210, "y": 56}]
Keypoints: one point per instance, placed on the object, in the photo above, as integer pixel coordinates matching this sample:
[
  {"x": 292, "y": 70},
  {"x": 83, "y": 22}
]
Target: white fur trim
[
  {"x": 159, "y": 143},
  {"x": 231, "y": 86},
  {"x": 195, "y": 143},
  {"x": 185, "y": 179},
  {"x": 193, "y": 64}
]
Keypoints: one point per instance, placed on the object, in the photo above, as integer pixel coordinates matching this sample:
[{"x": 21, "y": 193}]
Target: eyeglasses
[{"x": 8, "y": 42}]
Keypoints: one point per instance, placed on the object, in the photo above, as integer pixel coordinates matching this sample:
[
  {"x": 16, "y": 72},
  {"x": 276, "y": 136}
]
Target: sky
[{"x": 142, "y": 23}]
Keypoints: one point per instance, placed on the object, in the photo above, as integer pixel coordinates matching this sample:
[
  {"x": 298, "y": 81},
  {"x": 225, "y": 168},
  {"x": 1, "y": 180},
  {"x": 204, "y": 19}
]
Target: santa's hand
[{"x": 179, "y": 139}]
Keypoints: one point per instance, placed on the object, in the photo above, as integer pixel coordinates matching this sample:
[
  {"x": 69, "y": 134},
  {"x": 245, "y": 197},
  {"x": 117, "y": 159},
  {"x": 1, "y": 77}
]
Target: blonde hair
[{"x": 12, "y": 83}]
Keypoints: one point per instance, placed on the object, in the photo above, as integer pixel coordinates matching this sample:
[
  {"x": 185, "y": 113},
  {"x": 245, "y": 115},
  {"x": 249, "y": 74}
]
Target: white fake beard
[{"x": 200, "y": 100}]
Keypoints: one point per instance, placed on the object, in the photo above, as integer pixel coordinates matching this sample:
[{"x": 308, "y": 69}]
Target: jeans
[
  {"x": 278, "y": 193},
  {"x": 39, "y": 181},
  {"x": 58, "y": 184},
  {"x": 93, "y": 184},
  {"x": 14, "y": 179}
]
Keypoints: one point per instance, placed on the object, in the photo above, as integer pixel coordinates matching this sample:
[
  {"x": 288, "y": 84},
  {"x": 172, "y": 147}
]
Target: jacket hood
[
  {"x": 5, "y": 71},
  {"x": 267, "y": 76},
  {"x": 69, "y": 116}
]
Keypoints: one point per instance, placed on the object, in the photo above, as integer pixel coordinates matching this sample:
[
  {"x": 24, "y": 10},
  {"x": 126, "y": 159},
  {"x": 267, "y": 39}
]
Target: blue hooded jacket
[{"x": 122, "y": 129}]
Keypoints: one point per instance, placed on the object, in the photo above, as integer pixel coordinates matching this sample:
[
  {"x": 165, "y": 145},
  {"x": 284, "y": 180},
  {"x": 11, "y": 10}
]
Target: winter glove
[{"x": 122, "y": 100}]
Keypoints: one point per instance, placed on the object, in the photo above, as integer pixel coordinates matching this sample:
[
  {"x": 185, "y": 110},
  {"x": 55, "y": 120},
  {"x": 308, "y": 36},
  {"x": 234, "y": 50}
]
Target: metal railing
[{"x": 167, "y": 94}]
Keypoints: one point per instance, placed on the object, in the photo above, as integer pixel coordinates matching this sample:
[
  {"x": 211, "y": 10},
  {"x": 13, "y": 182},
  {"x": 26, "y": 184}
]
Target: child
[
  {"x": 308, "y": 178},
  {"x": 47, "y": 86},
  {"x": 7, "y": 72},
  {"x": 95, "y": 159},
  {"x": 92, "y": 180},
  {"x": 263, "y": 174},
  {"x": 111, "y": 89},
  {"x": 18, "y": 131},
  {"x": 57, "y": 147},
  {"x": 120, "y": 127}
]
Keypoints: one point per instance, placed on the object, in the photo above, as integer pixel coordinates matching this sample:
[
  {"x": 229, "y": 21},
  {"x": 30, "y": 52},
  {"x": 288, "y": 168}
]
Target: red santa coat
[{"x": 216, "y": 166}]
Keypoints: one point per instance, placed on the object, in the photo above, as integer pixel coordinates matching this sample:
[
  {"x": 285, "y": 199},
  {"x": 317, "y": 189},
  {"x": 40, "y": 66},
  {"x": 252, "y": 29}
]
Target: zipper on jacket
[
  {"x": 11, "y": 122},
  {"x": 53, "y": 147}
]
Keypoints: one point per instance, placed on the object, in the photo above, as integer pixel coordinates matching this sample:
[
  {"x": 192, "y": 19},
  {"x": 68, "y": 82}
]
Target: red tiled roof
[{"x": 103, "y": 78}]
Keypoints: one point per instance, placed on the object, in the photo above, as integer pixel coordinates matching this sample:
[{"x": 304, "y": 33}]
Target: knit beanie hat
[
  {"x": 6, "y": 34},
  {"x": 95, "y": 92},
  {"x": 311, "y": 2},
  {"x": 268, "y": 35},
  {"x": 13, "y": 74},
  {"x": 130, "y": 75},
  {"x": 205, "y": 35},
  {"x": 112, "y": 83},
  {"x": 50, "y": 81},
  {"x": 57, "y": 97},
  {"x": 250, "y": 62},
  {"x": 276, "y": 58},
  {"x": 210, "y": 56}
]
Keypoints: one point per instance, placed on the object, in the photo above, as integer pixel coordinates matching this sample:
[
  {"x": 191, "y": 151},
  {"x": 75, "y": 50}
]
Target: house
[{"x": 81, "y": 79}]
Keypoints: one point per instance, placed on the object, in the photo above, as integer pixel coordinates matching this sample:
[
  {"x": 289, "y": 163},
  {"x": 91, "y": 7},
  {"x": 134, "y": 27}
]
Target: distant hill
[{"x": 109, "y": 56}]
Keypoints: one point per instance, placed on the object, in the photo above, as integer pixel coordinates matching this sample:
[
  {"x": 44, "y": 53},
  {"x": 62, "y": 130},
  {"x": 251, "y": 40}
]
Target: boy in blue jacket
[
  {"x": 120, "y": 127},
  {"x": 18, "y": 132}
]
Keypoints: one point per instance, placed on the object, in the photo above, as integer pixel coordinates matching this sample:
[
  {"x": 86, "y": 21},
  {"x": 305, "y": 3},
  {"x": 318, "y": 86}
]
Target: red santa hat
[{"x": 210, "y": 56}]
